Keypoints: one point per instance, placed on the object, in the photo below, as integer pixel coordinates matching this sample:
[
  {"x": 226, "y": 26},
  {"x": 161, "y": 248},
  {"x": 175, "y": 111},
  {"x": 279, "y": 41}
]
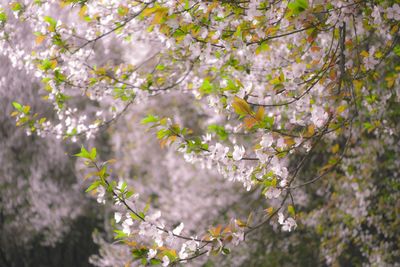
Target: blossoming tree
[{"x": 284, "y": 97}]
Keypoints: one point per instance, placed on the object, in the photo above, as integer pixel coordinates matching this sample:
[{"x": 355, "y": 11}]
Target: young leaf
[
  {"x": 149, "y": 119},
  {"x": 93, "y": 154},
  {"x": 241, "y": 107},
  {"x": 260, "y": 113},
  {"x": 135, "y": 217},
  {"x": 83, "y": 154},
  {"x": 298, "y": 6},
  {"x": 93, "y": 186},
  {"x": 17, "y": 106},
  {"x": 249, "y": 122},
  {"x": 291, "y": 211}
]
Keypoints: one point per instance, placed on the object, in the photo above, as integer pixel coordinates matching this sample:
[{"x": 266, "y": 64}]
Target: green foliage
[
  {"x": 86, "y": 154},
  {"x": 149, "y": 119},
  {"x": 47, "y": 64},
  {"x": 119, "y": 234},
  {"x": 140, "y": 253},
  {"x": 396, "y": 50},
  {"x": 17, "y": 106},
  {"x": 219, "y": 131},
  {"x": 298, "y": 6},
  {"x": 206, "y": 87},
  {"x": 136, "y": 217},
  {"x": 241, "y": 107},
  {"x": 52, "y": 23},
  {"x": 3, "y": 17},
  {"x": 16, "y": 6},
  {"x": 93, "y": 186}
]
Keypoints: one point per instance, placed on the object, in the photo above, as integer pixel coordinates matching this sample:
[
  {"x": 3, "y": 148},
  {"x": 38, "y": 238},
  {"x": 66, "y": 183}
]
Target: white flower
[
  {"x": 126, "y": 226},
  {"x": 278, "y": 169},
  {"x": 281, "y": 143},
  {"x": 298, "y": 69},
  {"x": 159, "y": 240},
  {"x": 319, "y": 116},
  {"x": 376, "y": 15},
  {"x": 204, "y": 33},
  {"x": 182, "y": 253},
  {"x": 218, "y": 152},
  {"x": 237, "y": 237},
  {"x": 153, "y": 217},
  {"x": 283, "y": 182},
  {"x": 370, "y": 62},
  {"x": 393, "y": 12},
  {"x": 170, "y": 239},
  {"x": 287, "y": 225},
  {"x": 192, "y": 245},
  {"x": 151, "y": 254},
  {"x": 261, "y": 156},
  {"x": 100, "y": 195},
  {"x": 281, "y": 218},
  {"x": 178, "y": 229},
  {"x": 272, "y": 192},
  {"x": 165, "y": 261},
  {"x": 120, "y": 185},
  {"x": 238, "y": 152},
  {"x": 267, "y": 140},
  {"x": 117, "y": 217}
]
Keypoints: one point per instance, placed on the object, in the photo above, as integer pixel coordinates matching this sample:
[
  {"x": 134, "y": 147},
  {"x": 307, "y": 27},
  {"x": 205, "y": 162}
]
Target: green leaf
[
  {"x": 298, "y": 6},
  {"x": 128, "y": 194},
  {"x": 103, "y": 172},
  {"x": 140, "y": 253},
  {"x": 119, "y": 234},
  {"x": 83, "y": 153},
  {"x": 25, "y": 109},
  {"x": 231, "y": 86},
  {"x": 267, "y": 122},
  {"x": 262, "y": 48},
  {"x": 163, "y": 133},
  {"x": 93, "y": 186},
  {"x": 226, "y": 251},
  {"x": 291, "y": 211},
  {"x": 219, "y": 131},
  {"x": 16, "y": 6},
  {"x": 241, "y": 107},
  {"x": 3, "y": 17},
  {"x": 206, "y": 87},
  {"x": 160, "y": 67},
  {"x": 135, "y": 217},
  {"x": 93, "y": 154},
  {"x": 17, "y": 106},
  {"x": 52, "y": 23},
  {"x": 396, "y": 50},
  {"x": 147, "y": 207},
  {"x": 155, "y": 262},
  {"x": 149, "y": 119}
]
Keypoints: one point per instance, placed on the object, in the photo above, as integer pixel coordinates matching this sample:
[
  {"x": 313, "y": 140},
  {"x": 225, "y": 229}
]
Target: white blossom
[
  {"x": 288, "y": 224},
  {"x": 151, "y": 254},
  {"x": 267, "y": 140},
  {"x": 238, "y": 152},
  {"x": 272, "y": 192},
  {"x": 101, "y": 195},
  {"x": 319, "y": 116},
  {"x": 117, "y": 217},
  {"x": 178, "y": 229},
  {"x": 165, "y": 261}
]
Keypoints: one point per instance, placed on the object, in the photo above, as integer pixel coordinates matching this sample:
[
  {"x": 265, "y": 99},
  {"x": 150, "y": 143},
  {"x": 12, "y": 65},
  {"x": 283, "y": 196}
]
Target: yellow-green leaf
[{"x": 241, "y": 107}]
